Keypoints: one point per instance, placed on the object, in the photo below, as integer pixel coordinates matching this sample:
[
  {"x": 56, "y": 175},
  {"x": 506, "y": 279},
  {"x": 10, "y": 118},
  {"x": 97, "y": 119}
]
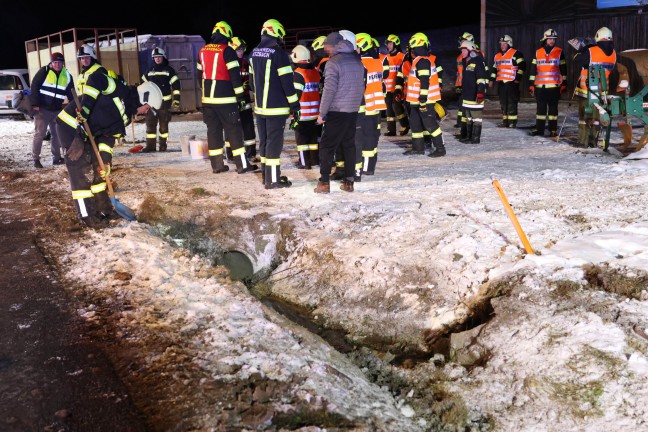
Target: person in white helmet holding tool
[
  {"x": 107, "y": 106},
  {"x": 166, "y": 78}
]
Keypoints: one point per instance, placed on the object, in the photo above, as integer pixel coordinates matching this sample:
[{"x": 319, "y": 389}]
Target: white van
[{"x": 12, "y": 81}]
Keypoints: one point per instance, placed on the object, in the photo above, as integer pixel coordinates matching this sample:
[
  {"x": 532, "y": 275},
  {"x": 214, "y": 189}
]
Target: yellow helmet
[
  {"x": 223, "y": 28},
  {"x": 236, "y": 43},
  {"x": 375, "y": 42},
  {"x": 318, "y": 43},
  {"x": 393, "y": 38},
  {"x": 419, "y": 40},
  {"x": 273, "y": 28},
  {"x": 364, "y": 41}
]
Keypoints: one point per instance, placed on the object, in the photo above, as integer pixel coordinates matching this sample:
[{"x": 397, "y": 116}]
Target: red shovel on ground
[{"x": 135, "y": 149}]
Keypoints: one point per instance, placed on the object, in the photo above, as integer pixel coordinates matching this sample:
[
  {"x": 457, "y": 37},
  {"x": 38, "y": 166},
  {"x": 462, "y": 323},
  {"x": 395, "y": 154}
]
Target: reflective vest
[
  {"x": 506, "y": 69},
  {"x": 217, "y": 83},
  {"x": 310, "y": 97},
  {"x": 459, "y": 79},
  {"x": 548, "y": 67},
  {"x": 414, "y": 83},
  {"x": 395, "y": 62},
  {"x": 597, "y": 58},
  {"x": 434, "y": 90},
  {"x": 374, "y": 97},
  {"x": 55, "y": 85}
]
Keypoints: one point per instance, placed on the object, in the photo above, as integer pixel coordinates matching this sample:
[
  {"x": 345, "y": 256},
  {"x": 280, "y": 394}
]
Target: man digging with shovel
[{"x": 106, "y": 108}]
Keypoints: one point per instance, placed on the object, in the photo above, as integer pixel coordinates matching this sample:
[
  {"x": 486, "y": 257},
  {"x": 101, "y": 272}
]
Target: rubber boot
[
  {"x": 469, "y": 131},
  {"x": 463, "y": 134},
  {"x": 592, "y": 137},
  {"x": 86, "y": 212},
  {"x": 163, "y": 145},
  {"x": 476, "y": 133},
  {"x": 439, "y": 147},
  {"x": 150, "y": 145},
  {"x": 217, "y": 164},
  {"x": 582, "y": 135},
  {"x": 104, "y": 207}
]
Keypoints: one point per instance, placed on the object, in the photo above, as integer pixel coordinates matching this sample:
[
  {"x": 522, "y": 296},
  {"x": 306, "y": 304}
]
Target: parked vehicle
[{"x": 12, "y": 81}]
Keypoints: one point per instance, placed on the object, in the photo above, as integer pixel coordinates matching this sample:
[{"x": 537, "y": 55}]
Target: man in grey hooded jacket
[{"x": 344, "y": 83}]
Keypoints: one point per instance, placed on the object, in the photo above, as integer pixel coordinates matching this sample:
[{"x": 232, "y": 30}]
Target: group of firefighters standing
[{"x": 404, "y": 87}]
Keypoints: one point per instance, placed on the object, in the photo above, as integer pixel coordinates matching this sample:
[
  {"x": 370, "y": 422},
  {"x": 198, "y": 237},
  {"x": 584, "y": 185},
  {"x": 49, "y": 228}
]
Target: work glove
[
  {"x": 241, "y": 104},
  {"x": 398, "y": 95},
  {"x": 532, "y": 90},
  {"x": 480, "y": 98},
  {"x": 423, "y": 107},
  {"x": 563, "y": 88},
  {"x": 175, "y": 103},
  {"x": 296, "y": 114},
  {"x": 104, "y": 172},
  {"x": 75, "y": 151},
  {"x": 79, "y": 117},
  {"x": 458, "y": 90}
]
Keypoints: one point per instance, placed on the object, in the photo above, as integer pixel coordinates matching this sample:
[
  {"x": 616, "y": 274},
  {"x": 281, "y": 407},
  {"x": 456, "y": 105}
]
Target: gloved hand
[
  {"x": 480, "y": 98},
  {"x": 532, "y": 90},
  {"x": 458, "y": 90},
  {"x": 398, "y": 95},
  {"x": 104, "y": 172},
  {"x": 241, "y": 104},
  {"x": 563, "y": 88},
  {"x": 296, "y": 114},
  {"x": 79, "y": 117},
  {"x": 423, "y": 107},
  {"x": 75, "y": 151},
  {"x": 175, "y": 103}
]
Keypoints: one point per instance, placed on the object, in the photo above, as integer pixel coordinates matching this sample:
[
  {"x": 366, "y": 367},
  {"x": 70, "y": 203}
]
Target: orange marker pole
[{"x": 513, "y": 218}]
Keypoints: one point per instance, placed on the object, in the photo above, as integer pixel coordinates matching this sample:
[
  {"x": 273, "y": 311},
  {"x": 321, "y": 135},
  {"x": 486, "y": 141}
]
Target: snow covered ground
[{"x": 556, "y": 340}]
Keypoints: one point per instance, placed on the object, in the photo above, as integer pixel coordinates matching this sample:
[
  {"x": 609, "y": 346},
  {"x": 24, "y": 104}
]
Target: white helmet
[
  {"x": 150, "y": 93},
  {"x": 86, "y": 50},
  {"x": 300, "y": 54},
  {"x": 349, "y": 36},
  {"x": 603, "y": 34},
  {"x": 507, "y": 39},
  {"x": 549, "y": 34},
  {"x": 469, "y": 45},
  {"x": 158, "y": 52}
]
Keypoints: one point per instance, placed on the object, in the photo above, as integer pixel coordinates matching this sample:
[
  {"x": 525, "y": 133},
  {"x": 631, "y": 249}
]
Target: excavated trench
[{"x": 199, "y": 240}]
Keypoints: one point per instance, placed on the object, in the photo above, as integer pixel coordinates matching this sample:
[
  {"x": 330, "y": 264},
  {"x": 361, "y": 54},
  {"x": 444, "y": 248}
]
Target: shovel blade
[{"x": 123, "y": 210}]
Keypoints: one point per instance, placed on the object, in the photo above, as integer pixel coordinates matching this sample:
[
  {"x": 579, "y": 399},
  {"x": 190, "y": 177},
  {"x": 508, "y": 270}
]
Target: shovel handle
[{"x": 86, "y": 126}]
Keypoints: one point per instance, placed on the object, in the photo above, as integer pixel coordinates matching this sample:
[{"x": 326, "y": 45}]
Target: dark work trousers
[
  {"x": 364, "y": 141},
  {"x": 306, "y": 137},
  {"x": 547, "y": 108},
  {"x": 416, "y": 123},
  {"x": 224, "y": 118},
  {"x": 249, "y": 134},
  {"x": 160, "y": 117},
  {"x": 460, "y": 111},
  {"x": 395, "y": 112},
  {"x": 90, "y": 196},
  {"x": 370, "y": 155},
  {"x": 339, "y": 129},
  {"x": 509, "y": 96},
  {"x": 271, "y": 139}
]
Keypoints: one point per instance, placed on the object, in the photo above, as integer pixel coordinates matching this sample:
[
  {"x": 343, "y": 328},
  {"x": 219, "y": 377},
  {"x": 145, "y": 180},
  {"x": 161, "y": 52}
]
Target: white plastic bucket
[
  {"x": 184, "y": 144},
  {"x": 198, "y": 149}
]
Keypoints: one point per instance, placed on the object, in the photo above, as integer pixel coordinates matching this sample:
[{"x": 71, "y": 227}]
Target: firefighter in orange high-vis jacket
[
  {"x": 601, "y": 54},
  {"x": 422, "y": 89},
  {"x": 508, "y": 69},
  {"x": 547, "y": 80},
  {"x": 271, "y": 80},
  {"x": 223, "y": 99},
  {"x": 307, "y": 85},
  {"x": 373, "y": 104},
  {"x": 394, "y": 98},
  {"x": 458, "y": 80}
]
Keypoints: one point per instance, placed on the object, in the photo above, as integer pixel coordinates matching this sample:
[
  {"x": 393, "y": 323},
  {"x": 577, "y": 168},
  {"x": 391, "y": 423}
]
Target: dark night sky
[{"x": 19, "y": 22}]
